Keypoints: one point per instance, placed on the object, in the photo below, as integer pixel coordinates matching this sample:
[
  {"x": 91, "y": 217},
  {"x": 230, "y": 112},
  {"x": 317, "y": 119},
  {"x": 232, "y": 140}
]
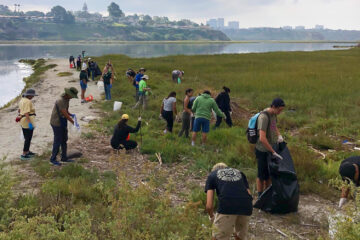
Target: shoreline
[{"x": 60, "y": 42}]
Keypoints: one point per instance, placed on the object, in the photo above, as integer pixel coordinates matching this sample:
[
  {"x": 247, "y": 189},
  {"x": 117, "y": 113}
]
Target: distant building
[
  {"x": 221, "y": 23},
  {"x": 319, "y": 27},
  {"x": 212, "y": 23},
  {"x": 233, "y": 25},
  {"x": 300, "y": 27},
  {"x": 287, "y": 27}
]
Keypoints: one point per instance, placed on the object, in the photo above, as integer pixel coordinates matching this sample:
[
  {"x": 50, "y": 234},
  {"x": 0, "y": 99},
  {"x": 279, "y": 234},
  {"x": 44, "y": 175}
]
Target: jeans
[
  {"x": 60, "y": 139},
  {"x": 28, "y": 134},
  {"x": 186, "y": 119},
  {"x": 92, "y": 74},
  {"x": 142, "y": 100},
  {"x": 169, "y": 117},
  {"x": 107, "y": 91},
  {"x": 227, "y": 120}
]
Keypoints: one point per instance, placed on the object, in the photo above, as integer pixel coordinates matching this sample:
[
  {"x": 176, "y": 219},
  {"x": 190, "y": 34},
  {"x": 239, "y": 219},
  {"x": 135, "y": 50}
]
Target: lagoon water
[{"x": 12, "y": 72}]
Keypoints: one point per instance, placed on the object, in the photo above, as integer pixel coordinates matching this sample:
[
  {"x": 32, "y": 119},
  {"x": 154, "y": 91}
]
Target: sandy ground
[{"x": 49, "y": 90}]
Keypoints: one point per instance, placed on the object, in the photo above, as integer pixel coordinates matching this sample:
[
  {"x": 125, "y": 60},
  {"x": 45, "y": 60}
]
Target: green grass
[
  {"x": 320, "y": 90},
  {"x": 64, "y": 74}
]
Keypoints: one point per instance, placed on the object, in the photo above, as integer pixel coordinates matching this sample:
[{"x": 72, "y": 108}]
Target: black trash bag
[
  {"x": 97, "y": 71},
  {"x": 283, "y": 194}
]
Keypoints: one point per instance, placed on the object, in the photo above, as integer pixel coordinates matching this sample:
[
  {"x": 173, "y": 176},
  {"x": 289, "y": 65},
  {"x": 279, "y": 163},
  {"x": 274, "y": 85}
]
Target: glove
[
  {"x": 31, "y": 127},
  {"x": 280, "y": 139},
  {"x": 139, "y": 119},
  {"x": 276, "y": 155},
  {"x": 342, "y": 202},
  {"x": 110, "y": 86}
]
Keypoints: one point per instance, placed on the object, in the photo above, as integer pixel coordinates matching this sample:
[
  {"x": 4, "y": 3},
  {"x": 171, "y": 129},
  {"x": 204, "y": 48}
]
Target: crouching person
[
  {"x": 235, "y": 202},
  {"x": 349, "y": 171},
  {"x": 121, "y": 136}
]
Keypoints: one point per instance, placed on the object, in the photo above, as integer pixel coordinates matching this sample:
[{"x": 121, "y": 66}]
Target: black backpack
[{"x": 252, "y": 132}]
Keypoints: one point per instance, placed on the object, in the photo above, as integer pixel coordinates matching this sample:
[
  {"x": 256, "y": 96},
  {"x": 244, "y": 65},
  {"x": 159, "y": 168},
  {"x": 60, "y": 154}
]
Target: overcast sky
[{"x": 334, "y": 14}]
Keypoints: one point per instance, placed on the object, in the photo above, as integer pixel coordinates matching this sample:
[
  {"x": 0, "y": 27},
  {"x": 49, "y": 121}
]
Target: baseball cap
[{"x": 278, "y": 102}]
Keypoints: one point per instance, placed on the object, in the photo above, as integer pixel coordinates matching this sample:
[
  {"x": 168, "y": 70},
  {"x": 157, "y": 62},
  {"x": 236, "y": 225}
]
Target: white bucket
[
  {"x": 100, "y": 85},
  {"x": 117, "y": 106}
]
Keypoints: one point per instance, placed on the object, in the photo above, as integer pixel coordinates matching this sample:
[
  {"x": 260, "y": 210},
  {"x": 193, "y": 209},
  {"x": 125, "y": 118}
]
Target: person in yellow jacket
[{"x": 27, "y": 121}]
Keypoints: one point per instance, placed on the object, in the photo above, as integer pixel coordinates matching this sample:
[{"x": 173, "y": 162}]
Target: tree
[
  {"x": 60, "y": 15},
  {"x": 35, "y": 14},
  {"x": 85, "y": 8},
  {"x": 115, "y": 11}
]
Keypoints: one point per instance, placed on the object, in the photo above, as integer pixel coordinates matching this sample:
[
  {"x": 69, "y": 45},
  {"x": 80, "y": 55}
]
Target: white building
[
  {"x": 300, "y": 27},
  {"x": 213, "y": 23},
  {"x": 221, "y": 23},
  {"x": 287, "y": 27},
  {"x": 233, "y": 25}
]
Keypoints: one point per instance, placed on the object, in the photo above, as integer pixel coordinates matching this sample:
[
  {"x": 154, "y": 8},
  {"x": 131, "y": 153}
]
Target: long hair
[
  {"x": 172, "y": 94},
  {"x": 226, "y": 89},
  {"x": 122, "y": 123}
]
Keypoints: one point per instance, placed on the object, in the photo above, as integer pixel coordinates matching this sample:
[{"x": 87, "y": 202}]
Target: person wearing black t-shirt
[
  {"x": 349, "y": 171},
  {"x": 235, "y": 202},
  {"x": 122, "y": 132},
  {"x": 223, "y": 101}
]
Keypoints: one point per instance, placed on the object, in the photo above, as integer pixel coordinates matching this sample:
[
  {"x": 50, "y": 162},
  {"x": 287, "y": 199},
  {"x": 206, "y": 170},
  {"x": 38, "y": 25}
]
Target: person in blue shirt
[{"x": 137, "y": 79}]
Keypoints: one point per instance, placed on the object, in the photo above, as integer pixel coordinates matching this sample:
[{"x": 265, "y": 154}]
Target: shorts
[
  {"x": 201, "y": 124},
  {"x": 263, "y": 165},
  {"x": 225, "y": 225},
  {"x": 83, "y": 85}
]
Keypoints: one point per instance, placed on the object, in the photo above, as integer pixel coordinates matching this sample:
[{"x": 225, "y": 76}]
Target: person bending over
[
  {"x": 120, "y": 138},
  {"x": 349, "y": 171},
  {"x": 235, "y": 202}
]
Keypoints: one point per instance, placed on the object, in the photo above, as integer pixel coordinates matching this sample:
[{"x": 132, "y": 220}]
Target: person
[
  {"x": 83, "y": 53},
  {"x": 223, "y": 101},
  {"x": 72, "y": 61},
  {"x": 130, "y": 74},
  {"x": 349, "y": 171},
  {"x": 269, "y": 135},
  {"x": 235, "y": 202},
  {"x": 202, "y": 108},
  {"x": 108, "y": 78},
  {"x": 136, "y": 82},
  {"x": 78, "y": 63},
  {"x": 84, "y": 65},
  {"x": 121, "y": 135},
  {"x": 186, "y": 115},
  {"x": 168, "y": 109},
  {"x": 177, "y": 76},
  {"x": 83, "y": 84},
  {"x": 27, "y": 122},
  {"x": 143, "y": 92},
  {"x": 59, "y": 117},
  {"x": 92, "y": 69}
]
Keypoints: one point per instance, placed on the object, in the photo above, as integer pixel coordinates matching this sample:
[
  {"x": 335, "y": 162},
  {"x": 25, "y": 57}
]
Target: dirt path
[{"x": 49, "y": 89}]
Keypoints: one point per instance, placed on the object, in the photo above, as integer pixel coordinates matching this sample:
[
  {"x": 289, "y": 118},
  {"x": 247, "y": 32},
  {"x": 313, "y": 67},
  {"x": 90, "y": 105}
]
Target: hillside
[
  {"x": 291, "y": 35},
  {"x": 26, "y": 30}
]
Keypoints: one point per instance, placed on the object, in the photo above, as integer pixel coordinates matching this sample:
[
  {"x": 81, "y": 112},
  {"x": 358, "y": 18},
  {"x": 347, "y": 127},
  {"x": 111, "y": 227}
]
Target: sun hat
[
  {"x": 142, "y": 69},
  {"x": 125, "y": 117},
  {"x": 145, "y": 77},
  {"x": 72, "y": 92},
  {"x": 30, "y": 92},
  {"x": 278, "y": 102}
]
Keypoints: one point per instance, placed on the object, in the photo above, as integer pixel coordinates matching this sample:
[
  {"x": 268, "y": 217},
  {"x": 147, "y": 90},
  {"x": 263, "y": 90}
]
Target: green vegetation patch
[{"x": 64, "y": 74}]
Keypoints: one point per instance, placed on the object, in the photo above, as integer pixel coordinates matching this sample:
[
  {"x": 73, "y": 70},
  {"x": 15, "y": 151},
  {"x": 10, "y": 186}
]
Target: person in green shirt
[
  {"x": 269, "y": 135},
  {"x": 143, "y": 92},
  {"x": 202, "y": 108}
]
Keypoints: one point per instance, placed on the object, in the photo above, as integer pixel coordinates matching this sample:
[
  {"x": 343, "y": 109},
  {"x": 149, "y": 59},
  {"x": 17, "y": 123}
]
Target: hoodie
[{"x": 203, "y": 105}]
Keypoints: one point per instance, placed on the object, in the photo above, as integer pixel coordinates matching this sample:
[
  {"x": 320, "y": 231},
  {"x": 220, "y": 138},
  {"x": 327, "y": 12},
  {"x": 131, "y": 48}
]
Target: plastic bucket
[
  {"x": 117, "y": 106},
  {"x": 71, "y": 65}
]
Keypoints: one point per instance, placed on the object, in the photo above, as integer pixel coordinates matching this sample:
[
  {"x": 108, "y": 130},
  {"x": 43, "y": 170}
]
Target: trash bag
[
  {"x": 283, "y": 194},
  {"x": 75, "y": 130},
  {"x": 97, "y": 71}
]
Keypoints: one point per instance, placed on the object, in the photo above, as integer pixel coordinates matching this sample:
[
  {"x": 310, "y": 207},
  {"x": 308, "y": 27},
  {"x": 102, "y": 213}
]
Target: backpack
[{"x": 252, "y": 132}]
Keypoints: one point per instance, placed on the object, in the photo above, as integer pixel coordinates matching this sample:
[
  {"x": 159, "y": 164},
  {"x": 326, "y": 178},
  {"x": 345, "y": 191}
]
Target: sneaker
[
  {"x": 31, "y": 154},
  {"x": 67, "y": 160},
  {"x": 25, "y": 157},
  {"x": 56, "y": 163},
  {"x": 83, "y": 101},
  {"x": 165, "y": 131}
]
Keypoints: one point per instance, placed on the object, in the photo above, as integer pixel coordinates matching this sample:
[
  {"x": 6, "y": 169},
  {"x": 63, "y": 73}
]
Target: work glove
[
  {"x": 280, "y": 139},
  {"x": 31, "y": 127},
  {"x": 276, "y": 155},
  {"x": 110, "y": 86},
  {"x": 342, "y": 202},
  {"x": 139, "y": 119}
]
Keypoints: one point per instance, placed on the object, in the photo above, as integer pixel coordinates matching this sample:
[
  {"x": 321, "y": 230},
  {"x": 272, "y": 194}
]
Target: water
[{"x": 12, "y": 72}]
